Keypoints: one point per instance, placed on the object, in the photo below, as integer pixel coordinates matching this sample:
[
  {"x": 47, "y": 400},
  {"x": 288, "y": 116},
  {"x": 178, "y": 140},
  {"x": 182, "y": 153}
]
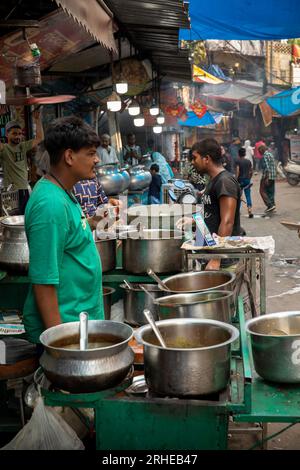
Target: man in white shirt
[{"x": 106, "y": 152}]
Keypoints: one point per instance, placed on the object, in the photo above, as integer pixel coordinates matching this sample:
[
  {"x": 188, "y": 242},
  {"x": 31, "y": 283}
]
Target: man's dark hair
[
  {"x": 242, "y": 152},
  {"x": 131, "y": 134},
  {"x": 68, "y": 133},
  {"x": 209, "y": 147},
  {"x": 154, "y": 167}
]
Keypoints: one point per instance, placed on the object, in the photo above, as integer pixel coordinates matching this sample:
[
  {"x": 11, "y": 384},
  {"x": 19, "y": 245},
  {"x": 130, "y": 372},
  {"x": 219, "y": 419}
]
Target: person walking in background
[
  {"x": 244, "y": 174},
  {"x": 234, "y": 152},
  {"x": 267, "y": 182},
  {"x": 155, "y": 185},
  {"x": 257, "y": 155},
  {"x": 249, "y": 151},
  {"x": 106, "y": 152}
]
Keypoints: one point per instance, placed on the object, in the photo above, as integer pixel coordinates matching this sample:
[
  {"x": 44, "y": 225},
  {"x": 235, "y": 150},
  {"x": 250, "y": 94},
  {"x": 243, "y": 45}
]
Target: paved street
[{"x": 283, "y": 281}]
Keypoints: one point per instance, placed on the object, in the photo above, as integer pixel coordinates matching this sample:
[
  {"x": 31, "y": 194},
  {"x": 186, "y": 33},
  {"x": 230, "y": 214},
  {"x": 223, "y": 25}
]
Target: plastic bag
[{"x": 46, "y": 430}]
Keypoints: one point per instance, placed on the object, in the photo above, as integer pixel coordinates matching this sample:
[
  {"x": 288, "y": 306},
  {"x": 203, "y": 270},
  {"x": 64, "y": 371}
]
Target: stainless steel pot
[
  {"x": 140, "y": 178},
  {"x": 159, "y": 216},
  {"x": 197, "y": 361},
  {"x": 156, "y": 249},
  {"x": 136, "y": 300},
  {"x": 113, "y": 179},
  {"x": 90, "y": 370},
  {"x": 275, "y": 341},
  {"x": 213, "y": 305},
  {"x": 107, "y": 301},
  {"x": 14, "y": 251},
  {"x": 107, "y": 250},
  {"x": 199, "y": 281}
]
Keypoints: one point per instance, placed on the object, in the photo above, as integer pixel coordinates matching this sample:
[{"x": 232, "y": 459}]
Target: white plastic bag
[{"x": 46, "y": 430}]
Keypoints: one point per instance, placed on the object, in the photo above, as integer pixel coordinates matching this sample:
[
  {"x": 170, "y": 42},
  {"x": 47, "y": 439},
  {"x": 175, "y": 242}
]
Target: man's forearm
[
  {"x": 225, "y": 228},
  {"x": 47, "y": 303}
]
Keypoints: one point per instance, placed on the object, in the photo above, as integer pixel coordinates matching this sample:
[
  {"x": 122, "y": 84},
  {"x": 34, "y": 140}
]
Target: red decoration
[
  {"x": 177, "y": 110},
  {"x": 198, "y": 108}
]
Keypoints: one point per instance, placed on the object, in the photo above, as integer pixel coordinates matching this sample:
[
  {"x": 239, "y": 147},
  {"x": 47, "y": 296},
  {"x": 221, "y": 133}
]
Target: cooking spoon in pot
[
  {"x": 83, "y": 331},
  {"x": 128, "y": 285},
  {"x": 152, "y": 274},
  {"x": 151, "y": 321},
  {"x": 147, "y": 292}
]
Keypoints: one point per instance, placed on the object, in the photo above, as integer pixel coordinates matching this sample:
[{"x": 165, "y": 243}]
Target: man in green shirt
[
  {"x": 64, "y": 267},
  {"x": 13, "y": 158}
]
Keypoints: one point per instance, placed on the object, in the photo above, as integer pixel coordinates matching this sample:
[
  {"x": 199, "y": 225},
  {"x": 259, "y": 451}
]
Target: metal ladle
[
  {"x": 83, "y": 331},
  {"x": 151, "y": 321},
  {"x": 152, "y": 274},
  {"x": 147, "y": 292},
  {"x": 128, "y": 285}
]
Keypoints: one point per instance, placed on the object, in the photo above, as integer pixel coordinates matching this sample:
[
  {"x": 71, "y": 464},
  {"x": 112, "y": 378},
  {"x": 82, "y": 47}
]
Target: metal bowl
[
  {"x": 214, "y": 305},
  {"x": 200, "y": 281},
  {"x": 90, "y": 370},
  {"x": 275, "y": 341},
  {"x": 196, "y": 360}
]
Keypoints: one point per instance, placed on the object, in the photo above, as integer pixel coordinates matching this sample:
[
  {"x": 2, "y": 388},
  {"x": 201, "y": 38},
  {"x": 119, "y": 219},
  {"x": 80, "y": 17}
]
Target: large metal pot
[
  {"x": 107, "y": 301},
  {"x": 14, "y": 251},
  {"x": 113, "y": 179},
  {"x": 140, "y": 178},
  {"x": 212, "y": 305},
  {"x": 275, "y": 341},
  {"x": 92, "y": 369},
  {"x": 159, "y": 216},
  {"x": 107, "y": 250},
  {"x": 155, "y": 249},
  {"x": 196, "y": 360},
  {"x": 200, "y": 281},
  {"x": 136, "y": 300}
]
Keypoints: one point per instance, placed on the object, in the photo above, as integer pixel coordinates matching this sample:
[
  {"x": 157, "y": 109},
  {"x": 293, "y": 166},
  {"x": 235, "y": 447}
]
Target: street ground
[{"x": 283, "y": 284}]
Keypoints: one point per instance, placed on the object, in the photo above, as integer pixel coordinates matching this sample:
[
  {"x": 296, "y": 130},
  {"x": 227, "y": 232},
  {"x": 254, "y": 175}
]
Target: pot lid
[{"x": 179, "y": 184}]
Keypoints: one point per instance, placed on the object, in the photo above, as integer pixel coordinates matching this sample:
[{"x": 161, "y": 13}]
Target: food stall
[{"x": 196, "y": 412}]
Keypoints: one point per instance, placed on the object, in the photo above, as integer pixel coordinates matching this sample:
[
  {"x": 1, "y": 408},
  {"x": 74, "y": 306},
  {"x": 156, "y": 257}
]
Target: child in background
[{"x": 155, "y": 186}]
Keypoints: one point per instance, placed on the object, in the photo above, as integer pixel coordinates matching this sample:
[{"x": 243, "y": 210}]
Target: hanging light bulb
[
  {"x": 139, "y": 121},
  {"x": 157, "y": 129},
  {"x": 154, "y": 110},
  {"x": 122, "y": 87},
  {"x": 160, "y": 118},
  {"x": 114, "y": 102},
  {"x": 134, "y": 108}
]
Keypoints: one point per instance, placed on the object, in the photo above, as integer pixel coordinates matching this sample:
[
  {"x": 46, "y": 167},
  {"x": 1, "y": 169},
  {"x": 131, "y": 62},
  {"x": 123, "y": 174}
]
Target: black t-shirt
[
  {"x": 224, "y": 184},
  {"x": 245, "y": 168},
  {"x": 155, "y": 185}
]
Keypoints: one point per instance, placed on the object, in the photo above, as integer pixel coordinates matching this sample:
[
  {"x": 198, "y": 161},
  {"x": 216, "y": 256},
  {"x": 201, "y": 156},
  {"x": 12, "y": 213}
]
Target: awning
[
  {"x": 235, "y": 19},
  {"x": 95, "y": 19},
  {"x": 201, "y": 76},
  {"x": 207, "y": 119},
  {"x": 287, "y": 102},
  {"x": 238, "y": 91}
]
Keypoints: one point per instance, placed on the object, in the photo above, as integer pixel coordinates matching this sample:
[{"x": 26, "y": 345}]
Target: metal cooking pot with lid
[
  {"x": 140, "y": 178},
  {"x": 14, "y": 251},
  {"x": 196, "y": 360},
  {"x": 103, "y": 366},
  {"x": 275, "y": 342},
  {"x": 113, "y": 179}
]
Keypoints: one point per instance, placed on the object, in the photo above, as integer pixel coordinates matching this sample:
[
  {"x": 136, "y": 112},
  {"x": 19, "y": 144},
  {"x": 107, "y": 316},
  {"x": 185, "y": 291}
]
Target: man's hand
[
  {"x": 36, "y": 114},
  {"x": 213, "y": 265}
]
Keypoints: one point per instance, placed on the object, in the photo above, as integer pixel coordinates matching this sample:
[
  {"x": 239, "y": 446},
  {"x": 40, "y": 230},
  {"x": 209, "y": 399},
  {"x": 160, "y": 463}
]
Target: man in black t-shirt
[{"x": 222, "y": 195}]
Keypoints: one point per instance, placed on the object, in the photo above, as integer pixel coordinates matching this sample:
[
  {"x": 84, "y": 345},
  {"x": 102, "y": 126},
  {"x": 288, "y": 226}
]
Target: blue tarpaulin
[
  {"x": 206, "y": 120},
  {"x": 238, "y": 19},
  {"x": 287, "y": 102}
]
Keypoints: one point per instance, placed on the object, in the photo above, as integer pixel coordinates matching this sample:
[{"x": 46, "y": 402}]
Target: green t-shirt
[
  {"x": 62, "y": 253},
  {"x": 13, "y": 159}
]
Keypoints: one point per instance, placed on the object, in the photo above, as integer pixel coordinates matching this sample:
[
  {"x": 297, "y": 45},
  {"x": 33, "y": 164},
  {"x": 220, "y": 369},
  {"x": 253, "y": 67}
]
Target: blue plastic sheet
[
  {"x": 287, "y": 102},
  {"x": 238, "y": 19}
]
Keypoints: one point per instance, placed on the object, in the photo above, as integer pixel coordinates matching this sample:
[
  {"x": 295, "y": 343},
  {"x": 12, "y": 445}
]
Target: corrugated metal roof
[{"x": 153, "y": 27}]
